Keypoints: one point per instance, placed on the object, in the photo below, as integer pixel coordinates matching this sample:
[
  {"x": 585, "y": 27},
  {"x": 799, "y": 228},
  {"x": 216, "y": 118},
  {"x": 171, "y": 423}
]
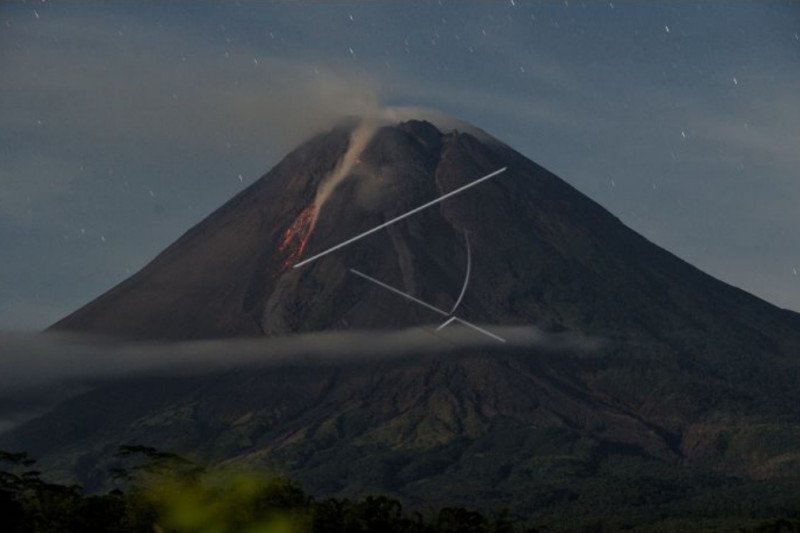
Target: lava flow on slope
[{"x": 296, "y": 236}]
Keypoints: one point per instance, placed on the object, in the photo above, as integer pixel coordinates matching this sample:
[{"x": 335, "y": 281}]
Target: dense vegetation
[{"x": 165, "y": 493}]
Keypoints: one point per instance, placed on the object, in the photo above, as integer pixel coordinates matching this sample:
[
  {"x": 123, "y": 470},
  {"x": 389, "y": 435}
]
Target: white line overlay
[
  {"x": 398, "y": 291},
  {"x": 429, "y": 306},
  {"x": 449, "y": 321},
  {"x": 401, "y": 217},
  {"x": 481, "y": 330},
  {"x": 466, "y": 277}
]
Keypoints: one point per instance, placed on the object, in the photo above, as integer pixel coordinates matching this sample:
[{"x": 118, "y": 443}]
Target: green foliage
[
  {"x": 222, "y": 501},
  {"x": 169, "y": 494},
  {"x": 166, "y": 493}
]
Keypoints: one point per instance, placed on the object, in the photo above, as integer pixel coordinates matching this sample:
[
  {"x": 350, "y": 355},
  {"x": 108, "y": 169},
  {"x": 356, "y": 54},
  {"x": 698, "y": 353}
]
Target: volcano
[{"x": 692, "y": 396}]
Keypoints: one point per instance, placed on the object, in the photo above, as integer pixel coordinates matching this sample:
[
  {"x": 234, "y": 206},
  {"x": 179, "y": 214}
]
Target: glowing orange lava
[{"x": 296, "y": 236}]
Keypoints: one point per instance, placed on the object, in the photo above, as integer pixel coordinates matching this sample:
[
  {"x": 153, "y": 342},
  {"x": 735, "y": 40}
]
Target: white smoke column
[
  {"x": 296, "y": 236},
  {"x": 359, "y": 140},
  {"x": 365, "y": 131}
]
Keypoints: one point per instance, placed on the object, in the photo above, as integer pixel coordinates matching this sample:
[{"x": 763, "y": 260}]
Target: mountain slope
[
  {"x": 562, "y": 258},
  {"x": 542, "y": 253},
  {"x": 695, "y": 376}
]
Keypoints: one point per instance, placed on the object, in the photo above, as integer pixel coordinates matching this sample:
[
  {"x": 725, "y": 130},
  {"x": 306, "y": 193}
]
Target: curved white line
[
  {"x": 449, "y": 321},
  {"x": 466, "y": 278}
]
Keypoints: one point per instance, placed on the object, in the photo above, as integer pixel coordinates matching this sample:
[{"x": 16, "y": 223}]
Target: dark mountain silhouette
[{"x": 694, "y": 388}]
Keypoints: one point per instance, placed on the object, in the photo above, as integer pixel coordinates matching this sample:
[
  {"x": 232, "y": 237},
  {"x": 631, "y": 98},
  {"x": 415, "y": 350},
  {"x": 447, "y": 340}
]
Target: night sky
[{"x": 123, "y": 124}]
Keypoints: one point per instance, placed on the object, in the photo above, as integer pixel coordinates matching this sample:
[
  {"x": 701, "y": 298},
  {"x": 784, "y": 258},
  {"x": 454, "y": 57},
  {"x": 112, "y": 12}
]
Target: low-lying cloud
[
  {"x": 29, "y": 360},
  {"x": 39, "y": 370}
]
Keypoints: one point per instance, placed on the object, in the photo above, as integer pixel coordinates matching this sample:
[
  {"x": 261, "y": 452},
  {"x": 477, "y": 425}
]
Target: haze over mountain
[{"x": 695, "y": 382}]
